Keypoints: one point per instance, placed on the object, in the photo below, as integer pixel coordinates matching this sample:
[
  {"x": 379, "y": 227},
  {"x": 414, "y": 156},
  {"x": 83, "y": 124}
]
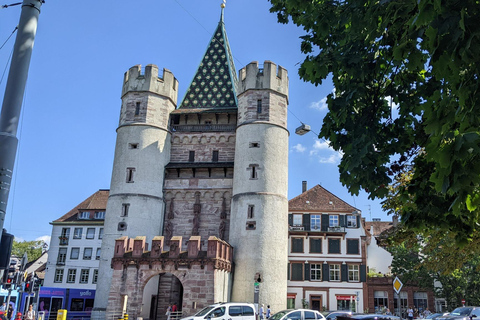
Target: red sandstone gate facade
[{"x": 199, "y": 277}]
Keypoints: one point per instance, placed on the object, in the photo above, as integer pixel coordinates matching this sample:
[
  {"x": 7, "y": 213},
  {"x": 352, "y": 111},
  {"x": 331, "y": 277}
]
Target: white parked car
[
  {"x": 297, "y": 314},
  {"x": 225, "y": 311}
]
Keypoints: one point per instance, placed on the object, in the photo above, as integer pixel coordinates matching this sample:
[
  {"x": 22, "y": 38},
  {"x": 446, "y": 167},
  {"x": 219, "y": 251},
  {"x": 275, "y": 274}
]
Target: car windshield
[
  {"x": 279, "y": 315},
  {"x": 461, "y": 311},
  {"x": 203, "y": 312}
]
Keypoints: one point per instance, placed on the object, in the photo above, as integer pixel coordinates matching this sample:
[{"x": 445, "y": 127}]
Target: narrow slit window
[
  {"x": 259, "y": 106},
  {"x": 215, "y": 156},
  {"x": 137, "y": 108},
  {"x": 130, "y": 172},
  {"x": 125, "y": 208},
  {"x": 253, "y": 171},
  {"x": 251, "y": 210},
  {"x": 191, "y": 156}
]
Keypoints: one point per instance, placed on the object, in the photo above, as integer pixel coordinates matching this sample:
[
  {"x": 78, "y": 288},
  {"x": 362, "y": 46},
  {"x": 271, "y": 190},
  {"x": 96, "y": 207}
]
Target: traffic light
[
  {"x": 9, "y": 281},
  {"x": 28, "y": 287},
  {"x": 37, "y": 283}
]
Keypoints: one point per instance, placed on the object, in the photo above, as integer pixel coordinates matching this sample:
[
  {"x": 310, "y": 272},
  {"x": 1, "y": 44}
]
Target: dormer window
[
  {"x": 352, "y": 221},
  {"x": 84, "y": 215},
  {"x": 100, "y": 215}
]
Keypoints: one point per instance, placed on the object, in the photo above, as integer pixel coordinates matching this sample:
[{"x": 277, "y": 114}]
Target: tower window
[
  {"x": 191, "y": 156},
  {"x": 251, "y": 225},
  {"x": 250, "y": 211},
  {"x": 253, "y": 171},
  {"x": 122, "y": 226},
  {"x": 254, "y": 145},
  {"x": 215, "y": 156},
  {"x": 133, "y": 146},
  {"x": 130, "y": 172},
  {"x": 125, "y": 207},
  {"x": 137, "y": 108},
  {"x": 259, "y": 106}
]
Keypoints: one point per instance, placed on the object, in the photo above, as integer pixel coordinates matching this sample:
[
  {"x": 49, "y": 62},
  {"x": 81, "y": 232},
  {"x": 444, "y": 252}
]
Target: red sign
[
  {"x": 345, "y": 297},
  {"x": 463, "y": 301}
]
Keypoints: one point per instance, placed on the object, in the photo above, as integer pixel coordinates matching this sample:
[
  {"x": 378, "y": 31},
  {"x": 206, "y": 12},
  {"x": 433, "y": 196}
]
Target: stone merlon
[
  {"x": 269, "y": 77},
  {"x": 129, "y": 251}
]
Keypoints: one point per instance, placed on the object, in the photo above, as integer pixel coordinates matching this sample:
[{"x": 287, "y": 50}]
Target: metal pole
[{"x": 13, "y": 98}]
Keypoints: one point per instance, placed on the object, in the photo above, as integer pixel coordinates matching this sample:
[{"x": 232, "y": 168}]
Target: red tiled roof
[
  {"x": 378, "y": 227},
  {"x": 319, "y": 199},
  {"x": 97, "y": 201}
]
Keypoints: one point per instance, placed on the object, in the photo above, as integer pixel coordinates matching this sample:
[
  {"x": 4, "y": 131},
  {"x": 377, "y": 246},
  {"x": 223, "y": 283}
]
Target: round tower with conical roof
[
  {"x": 136, "y": 205},
  {"x": 259, "y": 217}
]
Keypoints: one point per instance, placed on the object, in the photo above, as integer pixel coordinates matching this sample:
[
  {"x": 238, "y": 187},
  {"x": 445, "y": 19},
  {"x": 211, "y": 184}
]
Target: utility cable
[
  {"x": 16, "y": 28},
  {"x": 10, "y": 5}
]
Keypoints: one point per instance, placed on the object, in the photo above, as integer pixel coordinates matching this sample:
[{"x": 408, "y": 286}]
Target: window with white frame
[
  {"x": 334, "y": 274},
  {"x": 87, "y": 253},
  {"x": 62, "y": 256},
  {"x": 90, "y": 233},
  {"x": 380, "y": 300},
  {"x": 84, "y": 275},
  {"x": 100, "y": 215},
  {"x": 77, "y": 233},
  {"x": 351, "y": 221},
  {"x": 84, "y": 215},
  {"x": 95, "y": 276},
  {"x": 315, "y": 222},
  {"x": 72, "y": 273},
  {"x": 100, "y": 233},
  {"x": 297, "y": 219},
  {"x": 333, "y": 220},
  {"x": 65, "y": 233},
  {"x": 315, "y": 271},
  {"x": 353, "y": 273},
  {"x": 58, "y": 276},
  {"x": 99, "y": 251},
  {"x": 75, "y": 253},
  {"x": 420, "y": 300}
]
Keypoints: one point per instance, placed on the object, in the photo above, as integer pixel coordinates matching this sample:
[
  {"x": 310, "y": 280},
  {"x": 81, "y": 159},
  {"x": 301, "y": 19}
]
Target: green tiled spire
[{"x": 215, "y": 82}]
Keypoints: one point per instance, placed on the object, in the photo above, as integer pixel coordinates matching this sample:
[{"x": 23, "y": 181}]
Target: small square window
[
  {"x": 84, "y": 215},
  {"x": 351, "y": 221},
  {"x": 133, "y": 146},
  {"x": 333, "y": 220},
  {"x": 251, "y": 225},
  {"x": 254, "y": 145},
  {"x": 87, "y": 254},
  {"x": 77, "y": 233},
  {"x": 100, "y": 215},
  {"x": 90, "y": 233},
  {"x": 74, "y": 253}
]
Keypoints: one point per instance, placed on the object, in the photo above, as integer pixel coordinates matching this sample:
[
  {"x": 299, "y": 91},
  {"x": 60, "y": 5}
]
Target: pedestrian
[
  {"x": 169, "y": 312},
  {"x": 174, "y": 307},
  {"x": 410, "y": 313},
  {"x": 269, "y": 312},
  {"x": 426, "y": 313},
  {"x": 2, "y": 315},
  {"x": 3, "y": 307},
  {"x": 30, "y": 314},
  {"x": 387, "y": 312},
  {"x": 10, "y": 311},
  {"x": 262, "y": 312}
]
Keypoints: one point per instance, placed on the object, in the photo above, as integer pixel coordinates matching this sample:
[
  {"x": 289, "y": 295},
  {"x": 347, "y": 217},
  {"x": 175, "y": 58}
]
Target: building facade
[
  {"x": 75, "y": 245},
  {"x": 327, "y": 252},
  {"x": 191, "y": 192}
]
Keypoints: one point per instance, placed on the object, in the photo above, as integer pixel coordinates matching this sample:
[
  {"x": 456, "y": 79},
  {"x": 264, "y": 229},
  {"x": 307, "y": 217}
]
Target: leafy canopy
[
  {"x": 32, "y": 248},
  {"x": 406, "y": 95}
]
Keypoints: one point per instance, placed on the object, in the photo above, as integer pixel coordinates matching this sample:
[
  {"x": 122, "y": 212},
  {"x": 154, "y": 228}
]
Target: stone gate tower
[
  {"x": 198, "y": 208},
  {"x": 136, "y": 205},
  {"x": 259, "y": 218}
]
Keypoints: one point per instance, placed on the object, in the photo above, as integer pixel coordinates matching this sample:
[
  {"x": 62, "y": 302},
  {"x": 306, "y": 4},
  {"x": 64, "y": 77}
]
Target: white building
[
  {"x": 75, "y": 245},
  {"x": 327, "y": 252}
]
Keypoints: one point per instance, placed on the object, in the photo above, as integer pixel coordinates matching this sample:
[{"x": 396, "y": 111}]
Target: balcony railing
[
  {"x": 63, "y": 241},
  {"x": 316, "y": 228},
  {"x": 297, "y": 228},
  {"x": 202, "y": 127}
]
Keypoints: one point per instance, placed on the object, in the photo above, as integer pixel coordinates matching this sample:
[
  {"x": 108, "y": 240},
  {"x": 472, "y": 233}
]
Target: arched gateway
[{"x": 150, "y": 280}]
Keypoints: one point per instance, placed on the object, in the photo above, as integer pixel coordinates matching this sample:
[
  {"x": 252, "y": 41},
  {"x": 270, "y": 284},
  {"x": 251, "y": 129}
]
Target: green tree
[
  {"x": 32, "y": 248},
  {"x": 407, "y": 93}
]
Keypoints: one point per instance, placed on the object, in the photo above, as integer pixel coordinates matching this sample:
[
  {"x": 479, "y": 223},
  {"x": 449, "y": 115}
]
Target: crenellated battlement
[
  {"x": 134, "y": 80},
  {"x": 219, "y": 253},
  {"x": 269, "y": 77}
]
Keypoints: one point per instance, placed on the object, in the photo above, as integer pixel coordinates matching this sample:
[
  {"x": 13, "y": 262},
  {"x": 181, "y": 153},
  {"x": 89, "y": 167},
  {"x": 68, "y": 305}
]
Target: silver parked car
[{"x": 297, "y": 314}]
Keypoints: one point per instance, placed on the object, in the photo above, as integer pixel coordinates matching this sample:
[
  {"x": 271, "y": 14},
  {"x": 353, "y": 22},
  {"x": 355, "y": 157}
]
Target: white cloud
[
  {"x": 319, "y": 105},
  {"x": 325, "y": 153},
  {"x": 299, "y": 148},
  {"x": 321, "y": 145},
  {"x": 46, "y": 239},
  {"x": 333, "y": 158}
]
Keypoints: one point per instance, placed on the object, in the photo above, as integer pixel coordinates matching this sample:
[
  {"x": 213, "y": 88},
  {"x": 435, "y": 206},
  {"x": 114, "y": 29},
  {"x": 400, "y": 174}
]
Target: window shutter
[
  {"x": 325, "y": 222},
  {"x": 344, "y": 273},
  {"x": 325, "y": 272},
  {"x": 358, "y": 221},
  {"x": 363, "y": 273},
  {"x": 342, "y": 220},
  {"x": 352, "y": 246},
  {"x": 306, "y": 221},
  {"x": 288, "y": 271},
  {"x": 307, "y": 272},
  {"x": 290, "y": 219},
  {"x": 333, "y": 245}
]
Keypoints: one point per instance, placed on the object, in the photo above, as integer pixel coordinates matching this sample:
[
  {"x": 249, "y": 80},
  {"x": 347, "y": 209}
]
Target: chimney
[{"x": 304, "y": 186}]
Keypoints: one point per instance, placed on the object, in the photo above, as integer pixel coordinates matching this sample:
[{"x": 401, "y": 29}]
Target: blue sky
[{"x": 72, "y": 100}]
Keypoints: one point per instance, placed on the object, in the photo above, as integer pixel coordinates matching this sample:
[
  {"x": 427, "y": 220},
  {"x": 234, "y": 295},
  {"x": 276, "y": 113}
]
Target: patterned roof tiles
[
  {"x": 319, "y": 199},
  {"x": 97, "y": 201}
]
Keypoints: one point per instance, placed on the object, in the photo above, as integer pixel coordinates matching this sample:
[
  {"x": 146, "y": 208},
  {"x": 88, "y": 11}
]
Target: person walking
[
  {"x": 262, "y": 312},
  {"x": 410, "y": 313},
  {"x": 269, "y": 312},
  {"x": 169, "y": 312},
  {"x": 30, "y": 314}
]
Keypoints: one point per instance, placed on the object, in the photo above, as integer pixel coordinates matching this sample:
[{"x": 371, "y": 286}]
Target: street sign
[
  {"x": 463, "y": 301},
  {"x": 397, "y": 285}
]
